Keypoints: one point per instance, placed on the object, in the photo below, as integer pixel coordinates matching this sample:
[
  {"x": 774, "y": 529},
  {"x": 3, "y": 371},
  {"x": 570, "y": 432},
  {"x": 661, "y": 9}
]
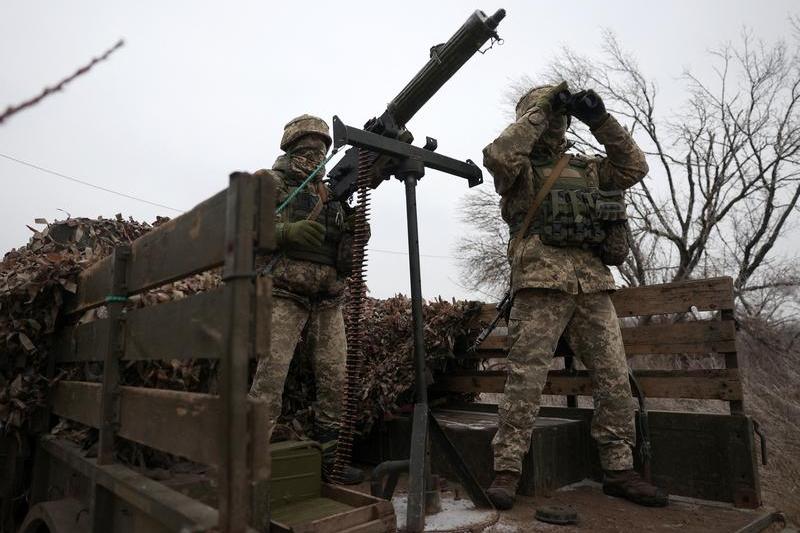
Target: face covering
[
  {"x": 305, "y": 156},
  {"x": 305, "y": 163},
  {"x": 552, "y": 142}
]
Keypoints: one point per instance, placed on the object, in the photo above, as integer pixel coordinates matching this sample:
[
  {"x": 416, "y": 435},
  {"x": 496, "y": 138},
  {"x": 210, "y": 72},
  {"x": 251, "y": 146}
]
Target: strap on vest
[{"x": 537, "y": 201}]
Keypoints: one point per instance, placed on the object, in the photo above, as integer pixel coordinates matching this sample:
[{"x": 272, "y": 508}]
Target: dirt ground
[{"x": 598, "y": 512}]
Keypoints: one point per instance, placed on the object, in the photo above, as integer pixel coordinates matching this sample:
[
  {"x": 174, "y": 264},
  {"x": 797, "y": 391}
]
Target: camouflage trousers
[
  {"x": 328, "y": 345},
  {"x": 589, "y": 322}
]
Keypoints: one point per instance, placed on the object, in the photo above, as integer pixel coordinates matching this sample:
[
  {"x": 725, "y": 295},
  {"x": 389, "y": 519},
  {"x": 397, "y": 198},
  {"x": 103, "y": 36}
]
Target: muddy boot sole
[
  {"x": 659, "y": 500},
  {"x": 502, "y": 499}
]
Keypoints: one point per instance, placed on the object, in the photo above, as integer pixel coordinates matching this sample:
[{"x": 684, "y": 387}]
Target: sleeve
[
  {"x": 281, "y": 189},
  {"x": 508, "y": 157},
  {"x": 625, "y": 164}
]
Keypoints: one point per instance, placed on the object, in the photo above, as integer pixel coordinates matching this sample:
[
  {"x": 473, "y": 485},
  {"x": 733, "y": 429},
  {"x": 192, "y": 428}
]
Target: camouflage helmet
[
  {"x": 530, "y": 98},
  {"x": 304, "y": 125}
]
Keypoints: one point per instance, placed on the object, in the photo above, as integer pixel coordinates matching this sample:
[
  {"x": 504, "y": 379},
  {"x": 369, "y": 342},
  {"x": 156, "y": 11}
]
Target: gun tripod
[{"x": 408, "y": 165}]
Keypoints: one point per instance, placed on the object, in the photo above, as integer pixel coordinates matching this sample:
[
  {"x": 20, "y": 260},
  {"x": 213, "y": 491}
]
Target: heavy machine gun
[
  {"x": 381, "y": 150},
  {"x": 445, "y": 60}
]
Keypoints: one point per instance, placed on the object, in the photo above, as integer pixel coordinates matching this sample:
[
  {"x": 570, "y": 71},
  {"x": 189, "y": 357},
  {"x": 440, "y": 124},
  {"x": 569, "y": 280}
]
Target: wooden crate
[{"x": 338, "y": 510}]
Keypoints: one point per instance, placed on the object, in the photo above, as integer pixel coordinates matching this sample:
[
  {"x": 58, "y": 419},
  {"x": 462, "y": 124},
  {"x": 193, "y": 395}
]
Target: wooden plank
[
  {"x": 495, "y": 343},
  {"x": 84, "y": 342},
  {"x": 190, "y": 243},
  {"x": 94, "y": 284},
  {"x": 181, "y": 423},
  {"x": 344, "y": 520},
  {"x": 78, "y": 401},
  {"x": 487, "y": 313},
  {"x": 360, "y": 512},
  {"x": 189, "y": 328},
  {"x": 713, "y": 294},
  {"x": 174, "y": 510},
  {"x": 698, "y": 384},
  {"x": 700, "y": 337},
  {"x": 348, "y": 496}
]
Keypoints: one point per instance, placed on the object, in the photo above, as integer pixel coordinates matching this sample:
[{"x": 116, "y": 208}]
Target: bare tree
[
  {"x": 482, "y": 252},
  {"x": 725, "y": 170}
]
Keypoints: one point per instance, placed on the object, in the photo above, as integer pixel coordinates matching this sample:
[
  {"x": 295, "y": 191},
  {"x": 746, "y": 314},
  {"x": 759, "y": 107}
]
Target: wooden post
[
  {"x": 732, "y": 361},
  {"x": 101, "y": 500},
  {"x": 115, "y": 303},
  {"x": 234, "y": 477}
]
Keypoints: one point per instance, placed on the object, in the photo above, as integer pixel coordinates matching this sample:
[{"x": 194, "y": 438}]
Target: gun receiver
[{"x": 446, "y": 59}]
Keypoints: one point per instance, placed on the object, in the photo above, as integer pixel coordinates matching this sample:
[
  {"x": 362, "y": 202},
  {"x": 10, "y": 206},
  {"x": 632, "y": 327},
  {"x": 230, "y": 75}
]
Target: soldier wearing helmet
[
  {"x": 559, "y": 279},
  {"x": 308, "y": 281}
]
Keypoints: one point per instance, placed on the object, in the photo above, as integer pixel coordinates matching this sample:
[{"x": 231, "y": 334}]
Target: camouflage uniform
[
  {"x": 561, "y": 289},
  {"x": 307, "y": 295}
]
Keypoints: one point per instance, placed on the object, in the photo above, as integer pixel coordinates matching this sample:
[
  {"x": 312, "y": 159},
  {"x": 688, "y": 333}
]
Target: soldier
[
  {"x": 559, "y": 282},
  {"x": 308, "y": 282}
]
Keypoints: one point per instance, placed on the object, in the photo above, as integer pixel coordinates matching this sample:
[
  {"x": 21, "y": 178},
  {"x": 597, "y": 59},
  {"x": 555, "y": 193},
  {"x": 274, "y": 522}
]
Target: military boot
[
  {"x": 629, "y": 484},
  {"x": 504, "y": 489},
  {"x": 351, "y": 475}
]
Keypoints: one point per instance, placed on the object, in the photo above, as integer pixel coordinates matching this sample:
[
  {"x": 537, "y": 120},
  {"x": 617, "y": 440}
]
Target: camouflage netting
[
  {"x": 36, "y": 278},
  {"x": 388, "y": 373}
]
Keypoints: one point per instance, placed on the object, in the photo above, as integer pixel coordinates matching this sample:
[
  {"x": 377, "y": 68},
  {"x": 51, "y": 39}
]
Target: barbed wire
[{"x": 14, "y": 109}]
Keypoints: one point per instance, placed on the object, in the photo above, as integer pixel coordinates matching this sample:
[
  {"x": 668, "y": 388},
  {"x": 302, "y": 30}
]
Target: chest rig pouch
[
  {"x": 331, "y": 216},
  {"x": 576, "y": 213}
]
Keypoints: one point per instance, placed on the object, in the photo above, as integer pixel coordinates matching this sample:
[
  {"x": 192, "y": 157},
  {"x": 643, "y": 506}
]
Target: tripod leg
[{"x": 419, "y": 468}]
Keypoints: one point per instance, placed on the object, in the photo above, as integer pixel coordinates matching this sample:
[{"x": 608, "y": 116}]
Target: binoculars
[{"x": 564, "y": 100}]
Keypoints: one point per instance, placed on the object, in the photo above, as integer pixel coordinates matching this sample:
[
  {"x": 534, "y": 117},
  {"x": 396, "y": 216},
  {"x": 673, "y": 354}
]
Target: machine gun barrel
[{"x": 446, "y": 59}]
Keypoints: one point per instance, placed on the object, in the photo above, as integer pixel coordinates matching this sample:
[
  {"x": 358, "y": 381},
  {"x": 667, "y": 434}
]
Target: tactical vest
[
  {"x": 331, "y": 216},
  {"x": 575, "y": 211}
]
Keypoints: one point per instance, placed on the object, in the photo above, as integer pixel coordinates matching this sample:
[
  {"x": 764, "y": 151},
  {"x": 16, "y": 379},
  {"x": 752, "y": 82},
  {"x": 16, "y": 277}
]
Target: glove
[
  {"x": 548, "y": 101},
  {"x": 588, "y": 107},
  {"x": 300, "y": 233}
]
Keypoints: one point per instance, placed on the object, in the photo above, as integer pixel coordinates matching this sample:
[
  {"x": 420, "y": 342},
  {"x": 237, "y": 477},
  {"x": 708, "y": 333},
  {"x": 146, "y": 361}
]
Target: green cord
[
  {"x": 302, "y": 185},
  {"x": 267, "y": 269},
  {"x": 112, "y": 299}
]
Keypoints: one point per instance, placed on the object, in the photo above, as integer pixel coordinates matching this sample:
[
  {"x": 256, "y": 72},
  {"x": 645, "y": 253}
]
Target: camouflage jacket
[
  {"x": 309, "y": 280},
  {"x": 537, "y": 265}
]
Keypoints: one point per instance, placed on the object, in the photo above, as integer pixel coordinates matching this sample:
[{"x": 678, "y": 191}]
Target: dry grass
[{"x": 772, "y": 397}]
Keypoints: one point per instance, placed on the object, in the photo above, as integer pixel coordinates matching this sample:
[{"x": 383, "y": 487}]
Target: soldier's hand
[
  {"x": 588, "y": 107},
  {"x": 547, "y": 100},
  {"x": 300, "y": 233}
]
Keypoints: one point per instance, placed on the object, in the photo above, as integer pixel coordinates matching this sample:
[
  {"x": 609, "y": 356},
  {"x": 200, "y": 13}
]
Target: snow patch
[{"x": 456, "y": 515}]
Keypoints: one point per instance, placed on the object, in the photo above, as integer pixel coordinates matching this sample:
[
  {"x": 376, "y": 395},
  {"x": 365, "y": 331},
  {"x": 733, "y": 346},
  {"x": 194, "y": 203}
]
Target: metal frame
[{"x": 408, "y": 165}]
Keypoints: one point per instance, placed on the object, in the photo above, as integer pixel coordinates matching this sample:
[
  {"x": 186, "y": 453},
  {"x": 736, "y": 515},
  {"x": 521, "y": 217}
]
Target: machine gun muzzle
[{"x": 446, "y": 59}]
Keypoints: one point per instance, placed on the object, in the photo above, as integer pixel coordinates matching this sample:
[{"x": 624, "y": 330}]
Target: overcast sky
[{"x": 204, "y": 88}]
